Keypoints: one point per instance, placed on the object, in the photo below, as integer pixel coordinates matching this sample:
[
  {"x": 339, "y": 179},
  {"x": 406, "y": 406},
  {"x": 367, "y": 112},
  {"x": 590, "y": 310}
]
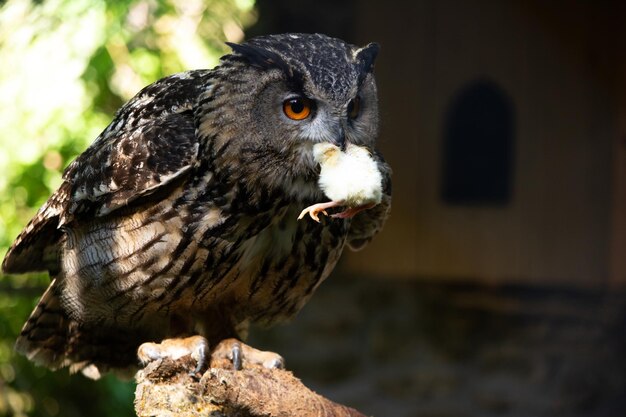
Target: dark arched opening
[{"x": 479, "y": 130}]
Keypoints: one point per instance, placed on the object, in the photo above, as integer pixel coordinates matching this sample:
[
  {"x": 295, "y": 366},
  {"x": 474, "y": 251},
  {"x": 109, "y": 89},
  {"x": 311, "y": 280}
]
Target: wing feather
[
  {"x": 150, "y": 143},
  {"x": 132, "y": 166}
]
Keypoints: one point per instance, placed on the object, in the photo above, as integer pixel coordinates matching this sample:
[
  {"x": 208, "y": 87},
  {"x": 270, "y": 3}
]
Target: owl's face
[{"x": 293, "y": 91}]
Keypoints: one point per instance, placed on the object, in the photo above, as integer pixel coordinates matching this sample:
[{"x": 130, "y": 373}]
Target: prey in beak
[{"x": 349, "y": 177}]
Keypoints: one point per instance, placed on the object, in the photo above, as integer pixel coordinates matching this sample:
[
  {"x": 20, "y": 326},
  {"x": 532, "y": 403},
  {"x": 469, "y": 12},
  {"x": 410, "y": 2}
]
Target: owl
[{"x": 180, "y": 221}]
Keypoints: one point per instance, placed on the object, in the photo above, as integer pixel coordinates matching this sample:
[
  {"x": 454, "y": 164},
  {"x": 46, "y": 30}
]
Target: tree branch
[{"x": 166, "y": 388}]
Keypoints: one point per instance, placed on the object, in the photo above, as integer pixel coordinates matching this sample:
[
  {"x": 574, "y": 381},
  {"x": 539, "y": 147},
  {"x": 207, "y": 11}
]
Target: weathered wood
[{"x": 166, "y": 388}]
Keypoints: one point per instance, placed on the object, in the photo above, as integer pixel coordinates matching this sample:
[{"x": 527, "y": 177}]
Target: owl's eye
[
  {"x": 298, "y": 108},
  {"x": 354, "y": 108}
]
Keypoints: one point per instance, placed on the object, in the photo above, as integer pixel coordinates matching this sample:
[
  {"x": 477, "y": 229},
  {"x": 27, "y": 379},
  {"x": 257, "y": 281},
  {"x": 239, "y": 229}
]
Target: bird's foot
[
  {"x": 352, "y": 211},
  {"x": 195, "y": 346},
  {"x": 315, "y": 209},
  {"x": 242, "y": 356}
]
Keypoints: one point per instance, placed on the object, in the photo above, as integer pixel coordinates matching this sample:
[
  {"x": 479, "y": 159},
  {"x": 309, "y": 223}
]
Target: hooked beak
[{"x": 340, "y": 140}]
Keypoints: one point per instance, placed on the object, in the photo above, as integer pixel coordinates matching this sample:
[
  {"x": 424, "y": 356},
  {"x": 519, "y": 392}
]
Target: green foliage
[{"x": 65, "y": 68}]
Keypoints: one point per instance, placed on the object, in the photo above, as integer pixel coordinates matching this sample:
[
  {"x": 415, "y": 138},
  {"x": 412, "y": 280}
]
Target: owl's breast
[{"x": 281, "y": 266}]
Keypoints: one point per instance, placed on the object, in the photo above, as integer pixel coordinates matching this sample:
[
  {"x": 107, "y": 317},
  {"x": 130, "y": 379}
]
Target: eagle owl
[{"x": 181, "y": 218}]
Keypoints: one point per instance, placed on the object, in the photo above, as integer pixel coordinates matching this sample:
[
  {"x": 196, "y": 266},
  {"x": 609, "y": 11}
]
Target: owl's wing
[
  {"x": 367, "y": 223},
  {"x": 131, "y": 165},
  {"x": 150, "y": 143}
]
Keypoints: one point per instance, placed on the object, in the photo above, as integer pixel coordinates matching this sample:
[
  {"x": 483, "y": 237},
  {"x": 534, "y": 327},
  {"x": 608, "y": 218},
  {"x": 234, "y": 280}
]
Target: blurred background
[{"x": 497, "y": 287}]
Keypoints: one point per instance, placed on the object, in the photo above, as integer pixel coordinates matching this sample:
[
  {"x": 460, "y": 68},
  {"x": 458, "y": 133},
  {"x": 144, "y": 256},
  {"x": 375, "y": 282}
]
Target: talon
[
  {"x": 148, "y": 352},
  {"x": 200, "y": 354},
  {"x": 274, "y": 363},
  {"x": 196, "y": 346},
  {"x": 236, "y": 356},
  {"x": 243, "y": 356}
]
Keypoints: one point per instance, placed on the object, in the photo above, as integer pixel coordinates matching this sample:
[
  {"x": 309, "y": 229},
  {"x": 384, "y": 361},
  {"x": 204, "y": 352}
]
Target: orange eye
[
  {"x": 354, "y": 108},
  {"x": 298, "y": 108}
]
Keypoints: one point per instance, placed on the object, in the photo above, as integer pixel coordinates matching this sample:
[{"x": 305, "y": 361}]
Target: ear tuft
[{"x": 365, "y": 58}]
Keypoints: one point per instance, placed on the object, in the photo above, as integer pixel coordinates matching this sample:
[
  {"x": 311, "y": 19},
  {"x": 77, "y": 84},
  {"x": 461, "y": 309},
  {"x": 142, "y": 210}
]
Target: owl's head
[{"x": 276, "y": 96}]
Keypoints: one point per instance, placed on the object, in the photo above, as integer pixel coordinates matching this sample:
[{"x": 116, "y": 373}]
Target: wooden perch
[{"x": 165, "y": 388}]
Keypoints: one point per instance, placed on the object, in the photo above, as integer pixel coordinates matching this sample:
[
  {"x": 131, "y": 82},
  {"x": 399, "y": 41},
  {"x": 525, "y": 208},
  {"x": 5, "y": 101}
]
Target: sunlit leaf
[{"x": 65, "y": 68}]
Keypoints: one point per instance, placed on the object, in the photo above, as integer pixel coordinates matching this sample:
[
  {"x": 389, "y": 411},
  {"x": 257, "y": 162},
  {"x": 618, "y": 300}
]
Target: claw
[
  {"x": 242, "y": 355},
  {"x": 195, "y": 346},
  {"x": 236, "y": 356},
  {"x": 200, "y": 354}
]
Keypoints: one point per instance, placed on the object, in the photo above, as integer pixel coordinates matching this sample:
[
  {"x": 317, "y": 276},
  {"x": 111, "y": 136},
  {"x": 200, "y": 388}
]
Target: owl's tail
[
  {"x": 53, "y": 339},
  {"x": 43, "y": 337}
]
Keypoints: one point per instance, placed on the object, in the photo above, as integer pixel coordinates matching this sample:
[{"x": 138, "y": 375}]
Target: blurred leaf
[{"x": 65, "y": 67}]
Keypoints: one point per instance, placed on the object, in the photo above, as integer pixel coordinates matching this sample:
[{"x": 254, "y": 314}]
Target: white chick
[{"x": 350, "y": 178}]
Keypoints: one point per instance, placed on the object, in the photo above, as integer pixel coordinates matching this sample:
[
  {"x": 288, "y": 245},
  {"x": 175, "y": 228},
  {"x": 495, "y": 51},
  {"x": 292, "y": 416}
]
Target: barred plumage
[{"x": 180, "y": 218}]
